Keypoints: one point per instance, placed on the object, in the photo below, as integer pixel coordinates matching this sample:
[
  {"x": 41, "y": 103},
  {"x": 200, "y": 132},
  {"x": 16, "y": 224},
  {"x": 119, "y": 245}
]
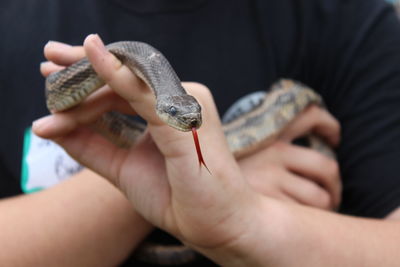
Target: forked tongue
[{"x": 198, "y": 149}]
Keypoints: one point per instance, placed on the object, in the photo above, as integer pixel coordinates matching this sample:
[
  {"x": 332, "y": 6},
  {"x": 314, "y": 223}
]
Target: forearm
[
  {"x": 83, "y": 221},
  {"x": 339, "y": 240},
  {"x": 294, "y": 235}
]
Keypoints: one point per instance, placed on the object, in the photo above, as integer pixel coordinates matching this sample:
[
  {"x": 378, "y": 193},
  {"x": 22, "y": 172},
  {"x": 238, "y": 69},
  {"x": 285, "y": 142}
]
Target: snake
[{"x": 245, "y": 133}]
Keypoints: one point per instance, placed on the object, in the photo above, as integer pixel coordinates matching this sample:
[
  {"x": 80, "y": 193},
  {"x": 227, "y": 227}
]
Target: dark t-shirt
[{"x": 348, "y": 51}]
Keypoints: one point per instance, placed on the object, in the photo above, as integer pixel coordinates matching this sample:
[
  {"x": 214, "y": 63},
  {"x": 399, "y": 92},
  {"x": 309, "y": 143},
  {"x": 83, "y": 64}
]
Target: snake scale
[{"x": 245, "y": 133}]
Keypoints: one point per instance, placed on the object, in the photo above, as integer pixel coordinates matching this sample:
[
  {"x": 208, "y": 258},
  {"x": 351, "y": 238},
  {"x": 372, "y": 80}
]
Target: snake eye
[{"x": 172, "y": 110}]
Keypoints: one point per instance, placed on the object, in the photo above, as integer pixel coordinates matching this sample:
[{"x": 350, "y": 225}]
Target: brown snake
[{"x": 252, "y": 130}]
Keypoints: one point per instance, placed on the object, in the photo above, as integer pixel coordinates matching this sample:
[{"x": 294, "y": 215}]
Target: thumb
[
  {"x": 186, "y": 180},
  {"x": 173, "y": 144}
]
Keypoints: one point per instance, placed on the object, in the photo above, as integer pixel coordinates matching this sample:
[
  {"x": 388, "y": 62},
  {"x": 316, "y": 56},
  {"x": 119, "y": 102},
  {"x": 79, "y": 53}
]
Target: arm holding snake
[{"x": 218, "y": 215}]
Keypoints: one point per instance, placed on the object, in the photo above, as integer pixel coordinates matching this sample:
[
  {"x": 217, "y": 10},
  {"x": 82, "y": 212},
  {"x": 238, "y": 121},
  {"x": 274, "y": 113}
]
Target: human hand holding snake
[
  {"x": 173, "y": 197},
  {"x": 282, "y": 170},
  {"x": 160, "y": 175},
  {"x": 294, "y": 173}
]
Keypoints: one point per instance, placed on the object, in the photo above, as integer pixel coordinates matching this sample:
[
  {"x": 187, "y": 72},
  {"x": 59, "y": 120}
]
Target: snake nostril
[{"x": 194, "y": 123}]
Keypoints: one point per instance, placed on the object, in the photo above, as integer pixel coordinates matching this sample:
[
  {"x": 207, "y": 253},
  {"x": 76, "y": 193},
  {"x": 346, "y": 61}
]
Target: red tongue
[{"x": 198, "y": 149}]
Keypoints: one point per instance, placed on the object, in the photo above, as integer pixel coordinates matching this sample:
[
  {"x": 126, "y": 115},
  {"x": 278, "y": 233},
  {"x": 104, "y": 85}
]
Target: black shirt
[{"x": 348, "y": 51}]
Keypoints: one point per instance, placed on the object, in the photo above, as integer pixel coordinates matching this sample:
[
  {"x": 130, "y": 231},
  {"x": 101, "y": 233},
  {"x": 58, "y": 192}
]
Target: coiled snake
[{"x": 254, "y": 129}]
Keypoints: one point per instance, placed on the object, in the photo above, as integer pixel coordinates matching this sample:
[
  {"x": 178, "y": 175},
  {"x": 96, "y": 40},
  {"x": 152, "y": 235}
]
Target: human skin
[
  {"x": 83, "y": 221},
  {"x": 86, "y": 221},
  {"x": 220, "y": 214},
  {"x": 283, "y": 171}
]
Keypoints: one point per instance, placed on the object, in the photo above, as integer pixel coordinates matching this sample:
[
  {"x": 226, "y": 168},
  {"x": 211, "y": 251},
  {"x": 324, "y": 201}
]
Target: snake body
[
  {"x": 68, "y": 87},
  {"x": 252, "y": 130}
]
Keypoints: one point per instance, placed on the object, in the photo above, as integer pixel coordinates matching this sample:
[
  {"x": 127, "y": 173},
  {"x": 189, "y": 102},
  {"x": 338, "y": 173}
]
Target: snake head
[{"x": 181, "y": 112}]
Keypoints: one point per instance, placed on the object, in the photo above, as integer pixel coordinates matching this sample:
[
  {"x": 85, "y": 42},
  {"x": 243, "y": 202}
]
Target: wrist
[{"x": 259, "y": 236}]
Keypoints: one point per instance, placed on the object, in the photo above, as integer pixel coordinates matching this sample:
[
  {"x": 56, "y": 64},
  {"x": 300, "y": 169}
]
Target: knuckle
[
  {"x": 109, "y": 74},
  {"x": 314, "y": 110},
  {"x": 324, "y": 199},
  {"x": 320, "y": 197},
  {"x": 313, "y": 113},
  {"x": 328, "y": 165}
]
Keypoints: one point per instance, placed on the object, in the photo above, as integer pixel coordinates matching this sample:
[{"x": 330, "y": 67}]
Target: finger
[
  {"x": 268, "y": 180},
  {"x": 48, "y": 67},
  {"x": 84, "y": 144},
  {"x": 89, "y": 111},
  {"x": 63, "y": 54},
  {"x": 307, "y": 192},
  {"x": 146, "y": 172},
  {"x": 316, "y": 120},
  {"x": 314, "y": 165},
  {"x": 121, "y": 79},
  {"x": 189, "y": 183},
  {"x": 131, "y": 88}
]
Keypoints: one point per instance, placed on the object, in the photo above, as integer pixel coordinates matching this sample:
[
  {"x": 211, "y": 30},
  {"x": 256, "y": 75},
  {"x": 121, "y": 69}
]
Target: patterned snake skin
[{"x": 250, "y": 131}]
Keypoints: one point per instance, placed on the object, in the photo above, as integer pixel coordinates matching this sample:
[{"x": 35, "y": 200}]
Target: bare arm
[
  {"x": 220, "y": 215},
  {"x": 294, "y": 235},
  {"x": 84, "y": 221}
]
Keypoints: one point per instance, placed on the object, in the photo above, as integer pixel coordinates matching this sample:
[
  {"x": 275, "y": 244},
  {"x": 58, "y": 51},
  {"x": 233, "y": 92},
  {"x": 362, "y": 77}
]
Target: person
[
  {"x": 269, "y": 54},
  {"x": 217, "y": 214}
]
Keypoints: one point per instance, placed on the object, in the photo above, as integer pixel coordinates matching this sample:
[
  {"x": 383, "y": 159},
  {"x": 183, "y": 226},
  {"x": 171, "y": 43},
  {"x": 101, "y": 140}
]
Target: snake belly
[{"x": 252, "y": 130}]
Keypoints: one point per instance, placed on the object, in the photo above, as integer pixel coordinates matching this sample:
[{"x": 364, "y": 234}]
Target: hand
[
  {"x": 298, "y": 174},
  {"x": 160, "y": 175},
  {"x": 283, "y": 170}
]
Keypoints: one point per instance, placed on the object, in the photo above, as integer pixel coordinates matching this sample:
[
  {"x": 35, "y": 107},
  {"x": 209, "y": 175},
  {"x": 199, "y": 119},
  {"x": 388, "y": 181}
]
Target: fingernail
[
  {"x": 41, "y": 123},
  {"x": 57, "y": 45},
  {"x": 96, "y": 40},
  {"x": 44, "y": 64},
  {"x": 101, "y": 54}
]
